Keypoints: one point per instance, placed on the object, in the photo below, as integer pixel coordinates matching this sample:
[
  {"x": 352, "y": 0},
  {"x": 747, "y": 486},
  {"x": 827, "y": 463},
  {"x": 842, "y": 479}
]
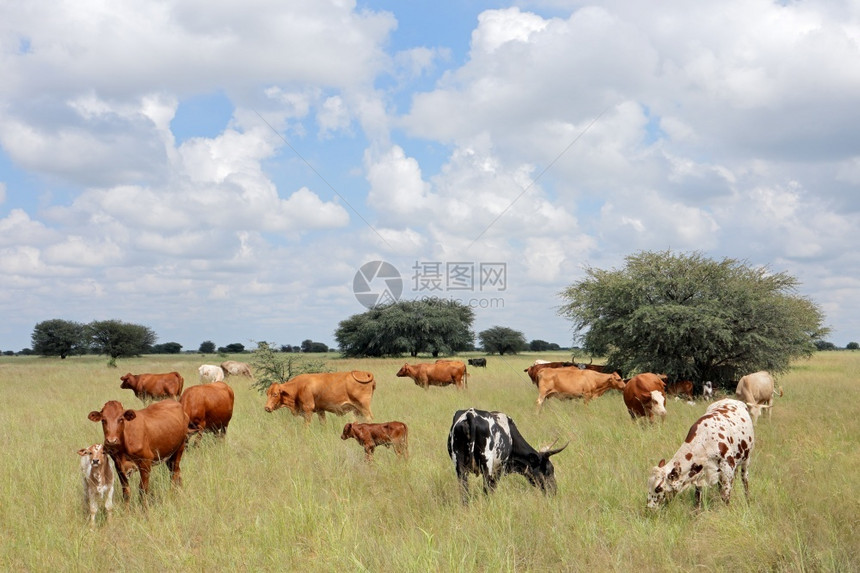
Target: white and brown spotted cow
[{"x": 717, "y": 445}]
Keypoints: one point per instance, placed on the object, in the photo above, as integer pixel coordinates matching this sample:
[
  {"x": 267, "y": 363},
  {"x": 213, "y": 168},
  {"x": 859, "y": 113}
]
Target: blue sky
[{"x": 221, "y": 173}]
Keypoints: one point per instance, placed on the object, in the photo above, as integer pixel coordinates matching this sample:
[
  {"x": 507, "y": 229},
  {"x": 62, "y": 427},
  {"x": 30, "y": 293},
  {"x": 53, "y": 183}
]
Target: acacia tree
[
  {"x": 437, "y": 326},
  {"x": 119, "y": 339},
  {"x": 59, "y": 338},
  {"x": 503, "y": 340},
  {"x": 692, "y": 317}
]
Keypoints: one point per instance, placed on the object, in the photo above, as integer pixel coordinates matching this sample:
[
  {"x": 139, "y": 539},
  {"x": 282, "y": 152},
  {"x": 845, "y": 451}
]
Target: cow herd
[{"x": 483, "y": 443}]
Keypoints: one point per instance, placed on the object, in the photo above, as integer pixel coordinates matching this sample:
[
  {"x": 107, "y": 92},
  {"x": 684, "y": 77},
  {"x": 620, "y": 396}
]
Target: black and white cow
[{"x": 490, "y": 445}]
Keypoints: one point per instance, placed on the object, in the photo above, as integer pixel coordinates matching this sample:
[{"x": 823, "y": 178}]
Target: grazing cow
[
  {"x": 210, "y": 373},
  {"x": 645, "y": 396},
  {"x": 489, "y": 444},
  {"x": 756, "y": 391},
  {"x": 209, "y": 408},
  {"x": 335, "y": 392},
  {"x": 575, "y": 383},
  {"x": 137, "y": 439},
  {"x": 389, "y": 434},
  {"x": 441, "y": 373},
  {"x": 717, "y": 445},
  {"x": 98, "y": 481},
  {"x": 482, "y": 362},
  {"x": 233, "y": 368},
  {"x": 149, "y": 387},
  {"x": 680, "y": 388},
  {"x": 539, "y": 365},
  {"x": 707, "y": 390}
]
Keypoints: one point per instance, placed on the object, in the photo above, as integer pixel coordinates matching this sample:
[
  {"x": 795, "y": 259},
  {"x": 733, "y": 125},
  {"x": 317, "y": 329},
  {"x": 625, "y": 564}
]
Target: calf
[
  {"x": 370, "y": 436},
  {"x": 98, "y": 481},
  {"x": 680, "y": 388},
  {"x": 718, "y": 444},
  {"x": 490, "y": 445},
  {"x": 708, "y": 390}
]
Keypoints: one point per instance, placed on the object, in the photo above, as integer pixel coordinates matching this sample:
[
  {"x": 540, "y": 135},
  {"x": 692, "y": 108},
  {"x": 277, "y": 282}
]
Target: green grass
[{"x": 277, "y": 496}]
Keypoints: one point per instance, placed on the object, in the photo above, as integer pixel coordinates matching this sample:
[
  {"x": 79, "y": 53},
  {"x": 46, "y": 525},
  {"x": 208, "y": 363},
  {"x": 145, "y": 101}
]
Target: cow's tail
[{"x": 466, "y": 377}]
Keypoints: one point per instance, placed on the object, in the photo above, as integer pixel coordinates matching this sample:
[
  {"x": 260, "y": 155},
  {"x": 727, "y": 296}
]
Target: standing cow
[
  {"x": 234, "y": 368},
  {"x": 210, "y": 373},
  {"x": 645, "y": 396},
  {"x": 489, "y": 444},
  {"x": 370, "y": 436},
  {"x": 481, "y": 362},
  {"x": 209, "y": 408},
  {"x": 756, "y": 391},
  {"x": 717, "y": 445},
  {"x": 148, "y": 387},
  {"x": 575, "y": 383},
  {"x": 98, "y": 481},
  {"x": 335, "y": 392},
  {"x": 441, "y": 373},
  {"x": 140, "y": 438}
]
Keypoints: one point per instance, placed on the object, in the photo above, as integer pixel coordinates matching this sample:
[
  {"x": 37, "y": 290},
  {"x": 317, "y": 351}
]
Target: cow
[
  {"x": 717, "y": 445},
  {"x": 209, "y": 408},
  {"x": 233, "y": 368},
  {"x": 539, "y": 365},
  {"x": 756, "y": 391},
  {"x": 707, "y": 390},
  {"x": 680, "y": 388},
  {"x": 575, "y": 383},
  {"x": 645, "y": 396},
  {"x": 335, "y": 392},
  {"x": 489, "y": 444},
  {"x": 137, "y": 439},
  {"x": 482, "y": 362},
  {"x": 441, "y": 373},
  {"x": 98, "y": 481},
  {"x": 389, "y": 434},
  {"x": 148, "y": 387},
  {"x": 210, "y": 373}
]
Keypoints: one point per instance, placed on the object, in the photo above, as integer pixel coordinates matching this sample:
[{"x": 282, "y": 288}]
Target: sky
[{"x": 237, "y": 171}]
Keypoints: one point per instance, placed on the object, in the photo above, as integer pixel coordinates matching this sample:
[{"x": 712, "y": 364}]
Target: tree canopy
[
  {"x": 503, "y": 340},
  {"x": 120, "y": 339},
  {"x": 437, "y": 326},
  {"x": 692, "y": 317},
  {"x": 59, "y": 337}
]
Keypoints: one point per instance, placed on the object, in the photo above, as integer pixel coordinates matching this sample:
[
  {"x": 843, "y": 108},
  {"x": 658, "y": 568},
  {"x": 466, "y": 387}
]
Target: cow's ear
[
  {"x": 129, "y": 415},
  {"x": 662, "y": 463},
  {"x": 82, "y": 452},
  {"x": 95, "y": 416}
]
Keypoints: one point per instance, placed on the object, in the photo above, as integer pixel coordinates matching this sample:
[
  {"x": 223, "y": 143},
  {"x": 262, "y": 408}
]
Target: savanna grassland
[{"x": 277, "y": 496}]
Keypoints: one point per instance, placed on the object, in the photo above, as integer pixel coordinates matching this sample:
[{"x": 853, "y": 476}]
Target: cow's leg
[
  {"x": 123, "y": 478},
  {"x": 727, "y": 477},
  {"x": 92, "y": 505},
  {"x": 109, "y": 503},
  {"x": 463, "y": 480},
  {"x": 744, "y": 478},
  {"x": 173, "y": 465},
  {"x": 368, "y": 452},
  {"x": 144, "y": 467},
  {"x": 698, "y": 497},
  {"x": 320, "y": 413}
]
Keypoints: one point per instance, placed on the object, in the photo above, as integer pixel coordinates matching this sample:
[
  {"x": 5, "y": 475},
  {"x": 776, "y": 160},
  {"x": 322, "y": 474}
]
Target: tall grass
[{"x": 277, "y": 495}]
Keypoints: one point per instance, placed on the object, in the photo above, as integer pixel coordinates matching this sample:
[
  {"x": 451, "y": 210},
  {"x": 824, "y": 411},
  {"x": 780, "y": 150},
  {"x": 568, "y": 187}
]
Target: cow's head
[
  {"x": 280, "y": 395},
  {"x": 756, "y": 410},
  {"x": 126, "y": 381},
  {"x": 347, "y": 432},
  {"x": 95, "y": 453},
  {"x": 658, "y": 403},
  {"x": 406, "y": 370},
  {"x": 113, "y": 418},
  {"x": 616, "y": 381},
  {"x": 663, "y": 483},
  {"x": 540, "y": 471}
]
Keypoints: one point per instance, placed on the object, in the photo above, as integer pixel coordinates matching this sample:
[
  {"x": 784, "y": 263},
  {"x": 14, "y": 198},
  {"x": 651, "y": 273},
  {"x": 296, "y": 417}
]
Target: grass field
[{"x": 277, "y": 496}]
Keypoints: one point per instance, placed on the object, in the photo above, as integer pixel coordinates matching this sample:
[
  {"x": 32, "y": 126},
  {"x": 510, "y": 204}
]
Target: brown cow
[
  {"x": 335, "y": 392},
  {"x": 140, "y": 438},
  {"x": 539, "y": 365},
  {"x": 148, "y": 387},
  {"x": 234, "y": 368},
  {"x": 645, "y": 395},
  {"x": 680, "y": 388},
  {"x": 441, "y": 373},
  {"x": 575, "y": 383},
  {"x": 370, "y": 436},
  {"x": 209, "y": 408}
]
